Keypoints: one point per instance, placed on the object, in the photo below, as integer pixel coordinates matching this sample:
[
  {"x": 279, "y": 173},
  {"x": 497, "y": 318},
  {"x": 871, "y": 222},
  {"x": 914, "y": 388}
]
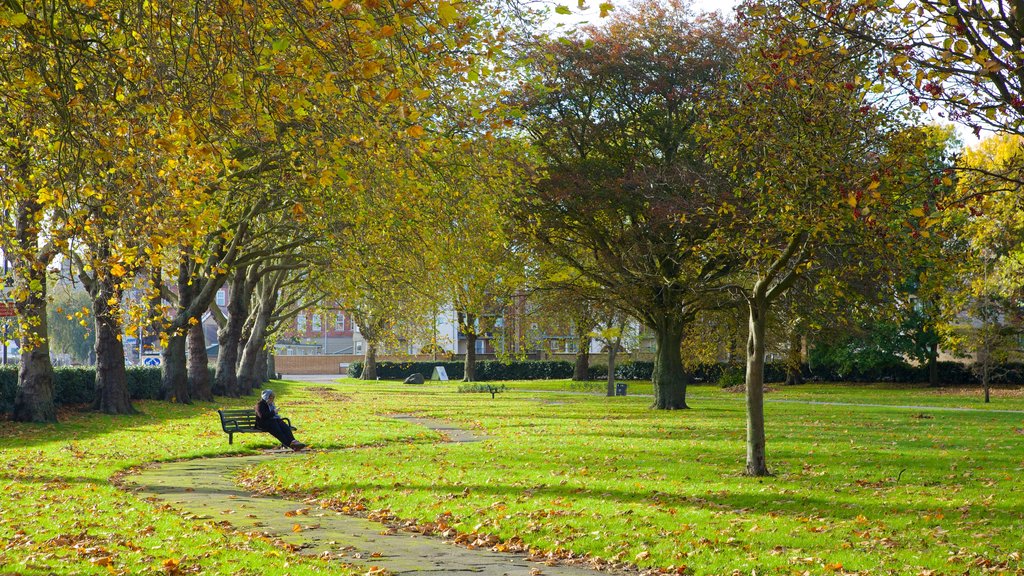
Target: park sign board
[{"x": 440, "y": 373}]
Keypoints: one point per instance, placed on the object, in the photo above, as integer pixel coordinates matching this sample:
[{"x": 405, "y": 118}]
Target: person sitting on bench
[{"x": 268, "y": 420}]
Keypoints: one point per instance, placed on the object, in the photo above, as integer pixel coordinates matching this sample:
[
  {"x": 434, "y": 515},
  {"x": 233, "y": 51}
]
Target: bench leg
[{"x": 231, "y": 437}]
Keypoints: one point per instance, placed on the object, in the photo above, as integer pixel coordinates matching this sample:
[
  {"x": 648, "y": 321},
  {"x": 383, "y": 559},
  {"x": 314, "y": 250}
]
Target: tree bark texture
[
  {"x": 112, "y": 395},
  {"x": 174, "y": 377},
  {"x": 669, "y": 377},
  {"x": 199, "y": 364},
  {"x": 467, "y": 325},
  {"x": 261, "y": 366},
  {"x": 613, "y": 352},
  {"x": 249, "y": 374},
  {"x": 34, "y": 398},
  {"x": 581, "y": 373},
  {"x": 470, "y": 363},
  {"x": 794, "y": 359},
  {"x": 174, "y": 373},
  {"x": 757, "y": 463},
  {"x": 229, "y": 337},
  {"x": 271, "y": 367},
  {"x": 369, "y": 362}
]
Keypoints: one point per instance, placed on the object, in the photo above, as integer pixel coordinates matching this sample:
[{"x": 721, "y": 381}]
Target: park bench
[{"x": 239, "y": 421}]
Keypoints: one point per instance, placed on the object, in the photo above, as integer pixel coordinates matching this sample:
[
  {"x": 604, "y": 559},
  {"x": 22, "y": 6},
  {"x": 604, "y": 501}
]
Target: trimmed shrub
[
  {"x": 355, "y": 370},
  {"x": 734, "y": 375},
  {"x": 472, "y": 387}
]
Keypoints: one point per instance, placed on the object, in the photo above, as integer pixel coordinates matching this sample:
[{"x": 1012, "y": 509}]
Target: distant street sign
[
  {"x": 151, "y": 361},
  {"x": 7, "y": 309}
]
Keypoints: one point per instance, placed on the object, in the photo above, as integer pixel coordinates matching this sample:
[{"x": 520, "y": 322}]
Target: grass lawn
[
  {"x": 60, "y": 513},
  {"x": 871, "y": 490}
]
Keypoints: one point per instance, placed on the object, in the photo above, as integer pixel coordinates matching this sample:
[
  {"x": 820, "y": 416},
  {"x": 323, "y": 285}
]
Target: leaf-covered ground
[
  {"x": 60, "y": 513},
  {"x": 858, "y": 489}
]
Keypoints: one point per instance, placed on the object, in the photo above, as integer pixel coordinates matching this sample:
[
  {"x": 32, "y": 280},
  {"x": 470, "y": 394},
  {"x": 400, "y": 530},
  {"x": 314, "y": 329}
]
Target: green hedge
[
  {"x": 950, "y": 373},
  {"x": 77, "y": 385},
  {"x": 497, "y": 370}
]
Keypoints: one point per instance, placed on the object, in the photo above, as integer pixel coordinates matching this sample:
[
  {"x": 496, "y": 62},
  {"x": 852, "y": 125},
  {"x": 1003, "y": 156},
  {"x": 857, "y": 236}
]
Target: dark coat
[{"x": 265, "y": 415}]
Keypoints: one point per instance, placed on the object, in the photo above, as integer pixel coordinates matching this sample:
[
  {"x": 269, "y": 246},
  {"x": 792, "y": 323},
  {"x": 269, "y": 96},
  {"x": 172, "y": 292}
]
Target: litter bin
[{"x": 620, "y": 388}]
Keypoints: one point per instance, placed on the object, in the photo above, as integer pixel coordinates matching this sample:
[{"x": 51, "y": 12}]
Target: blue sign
[{"x": 150, "y": 361}]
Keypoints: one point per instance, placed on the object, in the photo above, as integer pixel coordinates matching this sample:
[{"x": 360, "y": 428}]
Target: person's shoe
[{"x": 296, "y": 445}]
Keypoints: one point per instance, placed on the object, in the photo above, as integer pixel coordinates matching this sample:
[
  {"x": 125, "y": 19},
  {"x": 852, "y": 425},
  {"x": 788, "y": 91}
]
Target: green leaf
[
  {"x": 447, "y": 12},
  {"x": 605, "y": 7},
  {"x": 562, "y": 10},
  {"x": 19, "y": 19}
]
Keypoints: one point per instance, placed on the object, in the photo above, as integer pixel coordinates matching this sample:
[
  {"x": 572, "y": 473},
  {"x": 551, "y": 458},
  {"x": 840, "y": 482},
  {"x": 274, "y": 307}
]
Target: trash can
[{"x": 620, "y": 388}]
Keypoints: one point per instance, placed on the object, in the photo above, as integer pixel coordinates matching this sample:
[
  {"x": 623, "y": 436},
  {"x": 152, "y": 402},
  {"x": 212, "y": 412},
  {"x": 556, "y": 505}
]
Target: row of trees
[
  {"x": 169, "y": 150},
  {"x": 693, "y": 165},
  {"x": 394, "y": 158}
]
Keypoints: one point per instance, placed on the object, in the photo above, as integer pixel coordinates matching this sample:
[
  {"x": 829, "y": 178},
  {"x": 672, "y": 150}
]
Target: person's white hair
[{"x": 267, "y": 395}]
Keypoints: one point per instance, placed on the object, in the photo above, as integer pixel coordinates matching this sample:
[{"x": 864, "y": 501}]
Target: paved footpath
[{"x": 205, "y": 490}]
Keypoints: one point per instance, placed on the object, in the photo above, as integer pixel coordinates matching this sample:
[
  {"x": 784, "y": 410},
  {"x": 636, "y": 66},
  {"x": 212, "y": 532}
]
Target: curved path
[{"x": 204, "y": 490}]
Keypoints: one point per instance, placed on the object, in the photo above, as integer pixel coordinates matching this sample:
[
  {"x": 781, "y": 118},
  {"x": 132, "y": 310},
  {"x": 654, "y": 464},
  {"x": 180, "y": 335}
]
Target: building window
[
  {"x": 359, "y": 347},
  {"x": 221, "y": 297},
  {"x": 339, "y": 321},
  {"x": 479, "y": 346},
  {"x": 316, "y": 323},
  {"x": 300, "y": 322}
]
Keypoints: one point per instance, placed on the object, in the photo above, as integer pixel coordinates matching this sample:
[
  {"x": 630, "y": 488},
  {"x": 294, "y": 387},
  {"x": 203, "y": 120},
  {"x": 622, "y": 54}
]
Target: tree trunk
[
  {"x": 271, "y": 367},
  {"x": 174, "y": 366},
  {"x": 174, "y": 377},
  {"x": 933, "y": 365},
  {"x": 112, "y": 395},
  {"x": 34, "y": 399},
  {"x": 470, "y": 362},
  {"x": 369, "y": 362},
  {"x": 757, "y": 464},
  {"x": 669, "y": 377},
  {"x": 199, "y": 364},
  {"x": 613, "y": 352},
  {"x": 229, "y": 337},
  {"x": 794, "y": 359},
  {"x": 581, "y": 372},
  {"x": 261, "y": 366},
  {"x": 986, "y": 378},
  {"x": 250, "y": 374}
]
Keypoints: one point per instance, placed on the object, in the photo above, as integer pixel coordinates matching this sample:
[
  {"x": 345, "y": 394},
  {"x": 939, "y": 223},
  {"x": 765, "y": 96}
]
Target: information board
[{"x": 439, "y": 373}]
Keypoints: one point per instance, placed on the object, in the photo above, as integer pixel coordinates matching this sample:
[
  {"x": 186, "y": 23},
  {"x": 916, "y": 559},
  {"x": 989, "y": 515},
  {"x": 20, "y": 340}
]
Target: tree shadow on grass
[
  {"x": 85, "y": 425},
  {"x": 795, "y": 507}
]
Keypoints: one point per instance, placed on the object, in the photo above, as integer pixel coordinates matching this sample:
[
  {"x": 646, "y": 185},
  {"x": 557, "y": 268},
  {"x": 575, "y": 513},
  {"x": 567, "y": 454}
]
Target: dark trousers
[{"x": 278, "y": 429}]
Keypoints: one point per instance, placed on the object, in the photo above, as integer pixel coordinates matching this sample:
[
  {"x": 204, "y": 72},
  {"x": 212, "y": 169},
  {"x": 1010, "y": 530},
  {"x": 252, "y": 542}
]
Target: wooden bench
[{"x": 239, "y": 421}]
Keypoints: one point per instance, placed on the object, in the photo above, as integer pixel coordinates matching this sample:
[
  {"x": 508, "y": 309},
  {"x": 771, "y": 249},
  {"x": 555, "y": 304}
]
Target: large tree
[
  {"x": 806, "y": 139},
  {"x": 629, "y": 196}
]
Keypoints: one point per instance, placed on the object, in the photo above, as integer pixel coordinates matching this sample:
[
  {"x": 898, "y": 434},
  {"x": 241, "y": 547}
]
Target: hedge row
[
  {"x": 950, "y": 373},
  {"x": 78, "y": 385},
  {"x": 498, "y": 370}
]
